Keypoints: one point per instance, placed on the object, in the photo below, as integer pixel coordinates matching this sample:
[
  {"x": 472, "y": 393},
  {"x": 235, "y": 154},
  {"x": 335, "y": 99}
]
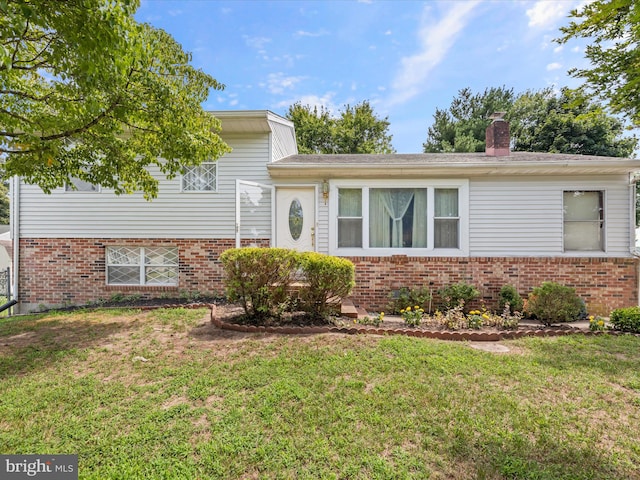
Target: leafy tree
[
  {"x": 313, "y": 128},
  {"x": 614, "y": 74},
  {"x": 87, "y": 92},
  {"x": 540, "y": 121},
  {"x": 461, "y": 127},
  {"x": 4, "y": 204},
  {"x": 356, "y": 130},
  {"x": 566, "y": 122}
]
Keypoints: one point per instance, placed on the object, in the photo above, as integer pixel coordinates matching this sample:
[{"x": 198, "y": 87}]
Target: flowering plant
[
  {"x": 412, "y": 317},
  {"x": 596, "y": 324}
]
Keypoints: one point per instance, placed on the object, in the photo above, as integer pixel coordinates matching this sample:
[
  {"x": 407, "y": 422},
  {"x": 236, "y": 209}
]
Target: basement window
[{"x": 142, "y": 266}]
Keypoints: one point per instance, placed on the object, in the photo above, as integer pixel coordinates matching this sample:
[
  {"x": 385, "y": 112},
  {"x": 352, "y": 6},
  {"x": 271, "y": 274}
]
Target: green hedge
[
  {"x": 626, "y": 319},
  {"x": 328, "y": 279},
  {"x": 260, "y": 280},
  {"x": 553, "y": 303}
]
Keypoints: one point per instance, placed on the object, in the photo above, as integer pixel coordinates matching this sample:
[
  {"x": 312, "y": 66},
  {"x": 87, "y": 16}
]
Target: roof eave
[{"x": 332, "y": 170}]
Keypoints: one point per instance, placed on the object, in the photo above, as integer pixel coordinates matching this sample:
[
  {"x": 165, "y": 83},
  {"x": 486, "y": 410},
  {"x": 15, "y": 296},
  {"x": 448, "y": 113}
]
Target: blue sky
[{"x": 406, "y": 57}]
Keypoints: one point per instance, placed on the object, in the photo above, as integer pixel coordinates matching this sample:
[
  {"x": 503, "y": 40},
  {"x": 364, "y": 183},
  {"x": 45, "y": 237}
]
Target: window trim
[
  {"x": 142, "y": 267},
  {"x": 462, "y": 185},
  {"x": 215, "y": 186},
  {"x": 603, "y": 241}
]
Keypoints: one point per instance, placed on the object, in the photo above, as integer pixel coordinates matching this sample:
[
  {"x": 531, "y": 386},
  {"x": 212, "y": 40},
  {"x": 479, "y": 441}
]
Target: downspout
[
  {"x": 15, "y": 234},
  {"x": 633, "y": 179}
]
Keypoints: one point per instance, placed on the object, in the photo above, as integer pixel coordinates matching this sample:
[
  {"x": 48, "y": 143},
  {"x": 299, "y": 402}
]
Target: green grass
[{"x": 164, "y": 394}]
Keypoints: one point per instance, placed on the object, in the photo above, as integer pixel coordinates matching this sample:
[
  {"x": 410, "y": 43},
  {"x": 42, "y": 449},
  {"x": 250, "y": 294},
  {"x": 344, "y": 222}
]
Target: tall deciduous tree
[
  {"x": 540, "y": 121},
  {"x": 356, "y": 130},
  {"x": 566, "y": 122},
  {"x": 614, "y": 74},
  {"x": 87, "y": 92},
  {"x": 4, "y": 204}
]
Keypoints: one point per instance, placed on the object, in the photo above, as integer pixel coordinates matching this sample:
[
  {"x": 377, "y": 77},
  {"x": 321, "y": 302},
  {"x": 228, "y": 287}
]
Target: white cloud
[
  {"x": 327, "y": 101},
  {"x": 388, "y": 32},
  {"x": 303, "y": 33},
  {"x": 436, "y": 40},
  {"x": 277, "y": 83},
  {"x": 554, "y": 66},
  {"x": 258, "y": 43},
  {"x": 546, "y": 13},
  {"x": 558, "y": 49}
]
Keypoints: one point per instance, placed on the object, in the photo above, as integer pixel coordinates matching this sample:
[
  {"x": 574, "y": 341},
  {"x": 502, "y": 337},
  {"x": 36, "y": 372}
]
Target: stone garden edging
[{"x": 472, "y": 336}]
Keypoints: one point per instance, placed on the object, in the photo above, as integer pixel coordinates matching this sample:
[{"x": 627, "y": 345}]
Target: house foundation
[{"x": 72, "y": 271}]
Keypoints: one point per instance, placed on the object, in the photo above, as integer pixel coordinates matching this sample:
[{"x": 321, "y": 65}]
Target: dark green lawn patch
[{"x": 164, "y": 394}]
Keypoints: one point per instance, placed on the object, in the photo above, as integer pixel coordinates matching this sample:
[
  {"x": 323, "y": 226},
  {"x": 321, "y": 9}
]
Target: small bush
[
  {"x": 409, "y": 297},
  {"x": 328, "y": 280},
  {"x": 509, "y": 295},
  {"x": 259, "y": 278},
  {"x": 553, "y": 303},
  {"x": 626, "y": 319},
  {"x": 453, "y": 295}
]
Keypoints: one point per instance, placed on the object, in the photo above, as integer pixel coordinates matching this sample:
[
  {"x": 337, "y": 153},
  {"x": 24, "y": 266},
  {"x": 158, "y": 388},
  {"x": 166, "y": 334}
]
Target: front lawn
[{"x": 163, "y": 394}]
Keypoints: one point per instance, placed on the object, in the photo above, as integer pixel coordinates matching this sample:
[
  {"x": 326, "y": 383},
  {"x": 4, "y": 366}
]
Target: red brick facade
[
  {"x": 603, "y": 283},
  {"x": 55, "y": 271}
]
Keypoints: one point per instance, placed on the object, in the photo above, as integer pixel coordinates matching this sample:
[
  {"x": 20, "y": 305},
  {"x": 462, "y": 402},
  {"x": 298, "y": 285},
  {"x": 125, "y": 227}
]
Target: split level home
[{"x": 405, "y": 220}]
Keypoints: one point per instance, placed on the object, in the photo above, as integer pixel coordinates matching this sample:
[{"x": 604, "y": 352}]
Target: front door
[{"x": 296, "y": 218}]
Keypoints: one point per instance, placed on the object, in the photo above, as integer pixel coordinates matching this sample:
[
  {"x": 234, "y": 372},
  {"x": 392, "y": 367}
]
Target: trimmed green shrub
[
  {"x": 553, "y": 303},
  {"x": 626, "y": 319},
  {"x": 409, "y": 297},
  {"x": 453, "y": 295},
  {"x": 509, "y": 294},
  {"x": 259, "y": 278},
  {"x": 328, "y": 279}
]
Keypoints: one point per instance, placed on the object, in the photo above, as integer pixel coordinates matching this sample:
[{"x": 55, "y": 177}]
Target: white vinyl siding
[
  {"x": 174, "y": 214},
  {"x": 518, "y": 216},
  {"x": 283, "y": 140}
]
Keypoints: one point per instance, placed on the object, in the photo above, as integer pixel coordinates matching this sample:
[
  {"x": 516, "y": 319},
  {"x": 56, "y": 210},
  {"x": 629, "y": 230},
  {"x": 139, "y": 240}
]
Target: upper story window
[
  {"x": 381, "y": 218},
  {"x": 78, "y": 185},
  {"x": 583, "y": 220},
  {"x": 201, "y": 178}
]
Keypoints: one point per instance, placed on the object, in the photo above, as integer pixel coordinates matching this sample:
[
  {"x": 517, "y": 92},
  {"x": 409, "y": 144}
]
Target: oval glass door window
[{"x": 295, "y": 219}]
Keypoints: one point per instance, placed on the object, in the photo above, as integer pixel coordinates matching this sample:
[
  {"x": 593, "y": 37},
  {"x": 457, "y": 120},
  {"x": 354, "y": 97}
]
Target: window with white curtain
[
  {"x": 398, "y": 217},
  {"x": 583, "y": 220},
  {"x": 202, "y": 178}
]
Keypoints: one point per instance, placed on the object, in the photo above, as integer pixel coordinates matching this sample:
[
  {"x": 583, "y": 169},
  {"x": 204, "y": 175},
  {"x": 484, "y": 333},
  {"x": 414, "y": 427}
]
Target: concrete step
[{"x": 348, "y": 309}]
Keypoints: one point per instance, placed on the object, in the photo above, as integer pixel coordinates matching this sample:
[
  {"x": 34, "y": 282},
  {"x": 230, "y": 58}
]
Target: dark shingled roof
[
  {"x": 444, "y": 159},
  {"x": 448, "y": 164}
]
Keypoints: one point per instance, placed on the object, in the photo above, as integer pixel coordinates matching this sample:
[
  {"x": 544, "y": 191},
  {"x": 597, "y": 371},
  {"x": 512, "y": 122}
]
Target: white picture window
[
  {"x": 386, "y": 218},
  {"x": 583, "y": 220},
  {"x": 202, "y": 178},
  {"x": 142, "y": 266}
]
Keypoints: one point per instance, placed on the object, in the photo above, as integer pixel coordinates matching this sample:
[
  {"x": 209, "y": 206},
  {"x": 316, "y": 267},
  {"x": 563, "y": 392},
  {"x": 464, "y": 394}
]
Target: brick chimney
[{"x": 498, "y": 140}]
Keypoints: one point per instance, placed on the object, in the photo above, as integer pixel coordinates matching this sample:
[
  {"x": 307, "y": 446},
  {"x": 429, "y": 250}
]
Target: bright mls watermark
[{"x": 49, "y": 467}]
